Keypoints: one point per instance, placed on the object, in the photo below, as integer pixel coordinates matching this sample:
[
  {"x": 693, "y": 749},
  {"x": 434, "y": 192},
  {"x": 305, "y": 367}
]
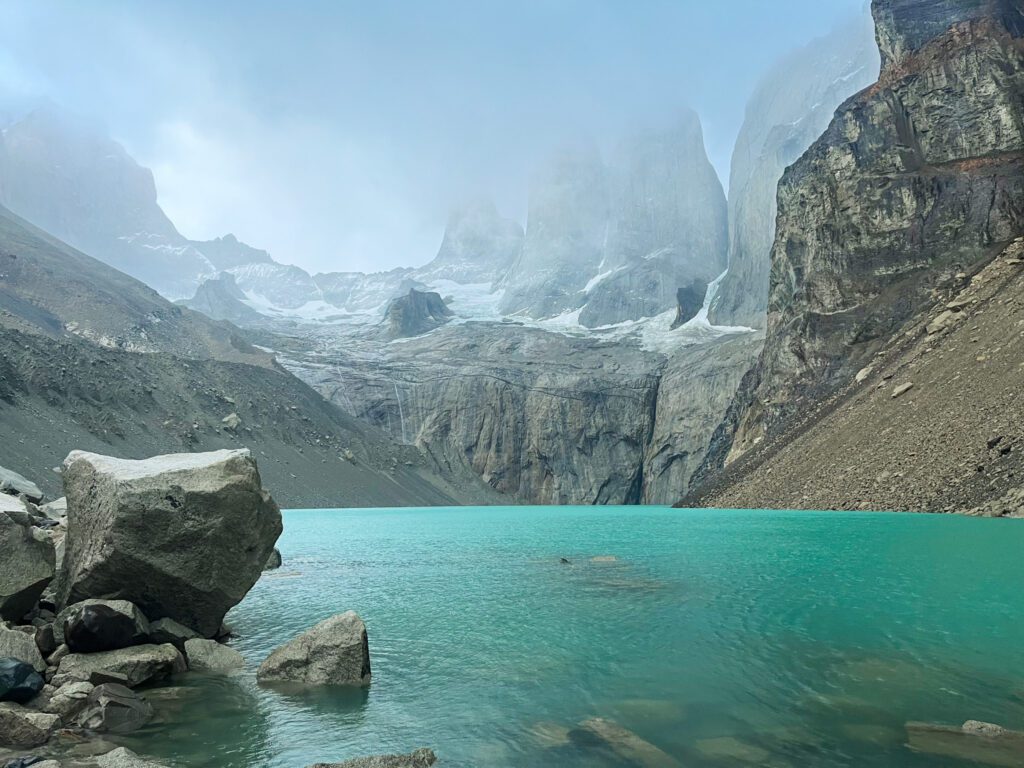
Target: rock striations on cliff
[{"x": 914, "y": 187}]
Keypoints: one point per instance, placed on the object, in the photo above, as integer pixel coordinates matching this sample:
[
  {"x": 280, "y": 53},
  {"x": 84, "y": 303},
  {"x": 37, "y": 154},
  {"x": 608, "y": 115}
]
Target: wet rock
[
  {"x": 19, "y": 681},
  {"x": 334, "y": 652},
  {"x": 20, "y": 727},
  {"x": 68, "y": 700},
  {"x": 729, "y": 748},
  {"x": 102, "y": 626},
  {"x": 421, "y": 758},
  {"x": 125, "y": 758},
  {"x": 31, "y": 760},
  {"x": 974, "y": 741},
  {"x": 21, "y": 646},
  {"x": 112, "y": 708},
  {"x": 27, "y": 565},
  {"x": 169, "y": 631},
  {"x": 183, "y": 536},
  {"x": 623, "y": 743},
  {"x": 211, "y": 656},
  {"x": 14, "y": 484},
  {"x": 274, "y": 561},
  {"x": 129, "y": 666}
]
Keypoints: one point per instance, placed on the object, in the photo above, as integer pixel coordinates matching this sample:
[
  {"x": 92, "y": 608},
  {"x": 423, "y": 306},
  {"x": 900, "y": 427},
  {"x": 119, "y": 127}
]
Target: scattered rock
[
  {"x": 211, "y": 656},
  {"x": 112, "y": 708},
  {"x": 19, "y": 681},
  {"x": 68, "y": 700},
  {"x": 20, "y": 727},
  {"x": 182, "y": 536},
  {"x": 105, "y": 626},
  {"x": 421, "y": 758},
  {"x": 232, "y": 421},
  {"x": 974, "y": 741},
  {"x": 625, "y": 744},
  {"x": 21, "y": 646},
  {"x": 565, "y": 561},
  {"x": 274, "y": 561},
  {"x": 334, "y": 652},
  {"x": 129, "y": 666},
  {"x": 902, "y": 389},
  {"x": 14, "y": 484},
  {"x": 941, "y": 322},
  {"x": 548, "y": 734},
  {"x": 26, "y": 568},
  {"x": 56, "y": 509}
]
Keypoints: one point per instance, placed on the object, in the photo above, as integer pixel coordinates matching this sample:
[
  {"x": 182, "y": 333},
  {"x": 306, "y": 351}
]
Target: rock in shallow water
[
  {"x": 334, "y": 652},
  {"x": 623, "y": 743},
  {"x": 211, "y": 656},
  {"x": 112, "y": 708},
  {"x": 128, "y": 666},
  {"x": 421, "y": 758},
  {"x": 974, "y": 741},
  {"x": 182, "y": 536},
  {"x": 125, "y": 758},
  {"x": 20, "y": 727}
]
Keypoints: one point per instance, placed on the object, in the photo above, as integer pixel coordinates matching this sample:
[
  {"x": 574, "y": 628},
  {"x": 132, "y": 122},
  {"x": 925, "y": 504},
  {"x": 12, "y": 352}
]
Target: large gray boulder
[
  {"x": 14, "y": 484},
  {"x": 128, "y": 666},
  {"x": 183, "y": 536},
  {"x": 15, "y": 644},
  {"x": 334, "y": 652},
  {"x": 27, "y": 564},
  {"x": 421, "y": 758}
]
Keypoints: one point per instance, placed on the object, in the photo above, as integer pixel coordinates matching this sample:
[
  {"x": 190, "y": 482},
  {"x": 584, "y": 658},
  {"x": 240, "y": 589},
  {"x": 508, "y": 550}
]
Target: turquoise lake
[{"x": 725, "y": 638}]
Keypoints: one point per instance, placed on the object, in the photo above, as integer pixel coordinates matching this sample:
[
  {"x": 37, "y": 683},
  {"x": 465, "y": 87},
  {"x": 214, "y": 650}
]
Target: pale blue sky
[{"x": 338, "y": 134}]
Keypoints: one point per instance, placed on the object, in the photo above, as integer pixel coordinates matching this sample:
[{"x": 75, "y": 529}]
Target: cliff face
[
  {"x": 915, "y": 185},
  {"x": 416, "y": 313},
  {"x": 614, "y": 241},
  {"x": 479, "y": 246},
  {"x": 790, "y": 108}
]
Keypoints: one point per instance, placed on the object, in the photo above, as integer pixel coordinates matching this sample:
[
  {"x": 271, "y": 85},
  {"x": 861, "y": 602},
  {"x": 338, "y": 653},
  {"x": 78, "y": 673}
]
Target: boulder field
[{"x": 125, "y": 583}]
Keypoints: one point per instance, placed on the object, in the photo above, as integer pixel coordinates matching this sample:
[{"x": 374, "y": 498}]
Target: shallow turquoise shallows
[{"x": 788, "y": 639}]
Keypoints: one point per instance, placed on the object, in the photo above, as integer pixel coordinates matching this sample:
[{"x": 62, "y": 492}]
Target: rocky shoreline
[{"x": 123, "y": 584}]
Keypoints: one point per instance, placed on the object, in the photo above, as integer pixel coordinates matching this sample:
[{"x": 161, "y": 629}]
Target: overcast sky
[{"x": 338, "y": 134}]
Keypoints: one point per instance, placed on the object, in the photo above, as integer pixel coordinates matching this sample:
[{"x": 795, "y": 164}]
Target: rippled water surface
[{"x": 724, "y": 638}]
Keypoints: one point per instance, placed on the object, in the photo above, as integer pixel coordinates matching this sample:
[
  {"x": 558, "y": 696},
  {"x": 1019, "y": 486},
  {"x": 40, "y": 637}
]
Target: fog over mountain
[{"x": 339, "y": 137}]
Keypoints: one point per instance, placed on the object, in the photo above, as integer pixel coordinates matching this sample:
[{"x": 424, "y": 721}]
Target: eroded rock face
[
  {"x": 916, "y": 179},
  {"x": 334, "y": 652},
  {"x": 790, "y": 108},
  {"x": 182, "y": 536},
  {"x": 27, "y": 564}
]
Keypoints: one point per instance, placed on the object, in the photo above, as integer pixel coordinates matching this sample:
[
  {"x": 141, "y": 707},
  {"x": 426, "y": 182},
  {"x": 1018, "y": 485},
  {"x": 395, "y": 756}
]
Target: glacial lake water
[{"x": 725, "y": 638}]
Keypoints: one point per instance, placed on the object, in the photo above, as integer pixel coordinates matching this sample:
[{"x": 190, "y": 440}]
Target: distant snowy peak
[{"x": 479, "y": 246}]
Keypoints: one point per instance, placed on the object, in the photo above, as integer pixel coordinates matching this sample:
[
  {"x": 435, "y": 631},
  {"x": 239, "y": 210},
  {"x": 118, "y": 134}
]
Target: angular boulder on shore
[
  {"x": 101, "y": 625},
  {"x": 183, "y": 536},
  {"x": 334, "y": 652},
  {"x": 26, "y": 565},
  {"x": 20, "y": 727},
  {"x": 211, "y": 656},
  {"x": 128, "y": 666}
]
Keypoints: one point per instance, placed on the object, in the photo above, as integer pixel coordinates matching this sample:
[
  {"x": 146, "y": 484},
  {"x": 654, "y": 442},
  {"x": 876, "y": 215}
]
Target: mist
[{"x": 339, "y": 135}]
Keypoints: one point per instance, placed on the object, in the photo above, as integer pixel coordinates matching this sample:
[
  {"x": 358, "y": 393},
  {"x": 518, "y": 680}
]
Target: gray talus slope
[
  {"x": 790, "y": 108},
  {"x": 94, "y": 359},
  {"x": 917, "y": 182}
]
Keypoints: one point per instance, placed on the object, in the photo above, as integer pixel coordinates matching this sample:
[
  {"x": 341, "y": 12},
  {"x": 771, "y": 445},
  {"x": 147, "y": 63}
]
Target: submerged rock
[
  {"x": 19, "y": 681},
  {"x": 421, "y": 758},
  {"x": 124, "y": 758},
  {"x": 112, "y": 708},
  {"x": 623, "y": 743},
  {"x": 973, "y": 741},
  {"x": 128, "y": 666},
  {"x": 27, "y": 565},
  {"x": 334, "y": 652},
  {"x": 183, "y": 536}
]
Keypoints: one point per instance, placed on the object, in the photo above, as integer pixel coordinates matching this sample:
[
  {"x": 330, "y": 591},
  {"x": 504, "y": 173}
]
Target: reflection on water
[{"x": 715, "y": 638}]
